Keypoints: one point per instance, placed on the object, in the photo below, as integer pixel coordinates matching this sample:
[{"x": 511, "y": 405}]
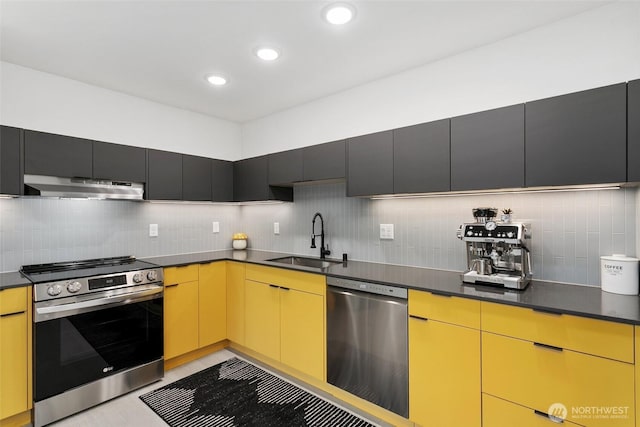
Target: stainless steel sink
[{"x": 306, "y": 262}]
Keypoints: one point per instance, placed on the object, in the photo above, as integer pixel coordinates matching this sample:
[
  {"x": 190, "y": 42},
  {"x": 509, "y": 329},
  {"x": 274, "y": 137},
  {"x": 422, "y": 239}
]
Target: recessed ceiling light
[
  {"x": 267, "y": 53},
  {"x": 339, "y": 13},
  {"x": 216, "y": 80}
]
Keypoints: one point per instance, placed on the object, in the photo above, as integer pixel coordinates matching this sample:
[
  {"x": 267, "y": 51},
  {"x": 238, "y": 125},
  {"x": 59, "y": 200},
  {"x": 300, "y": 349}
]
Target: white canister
[{"x": 619, "y": 274}]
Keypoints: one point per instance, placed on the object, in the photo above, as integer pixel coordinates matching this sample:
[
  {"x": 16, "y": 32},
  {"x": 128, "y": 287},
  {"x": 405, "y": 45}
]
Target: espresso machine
[{"x": 497, "y": 252}]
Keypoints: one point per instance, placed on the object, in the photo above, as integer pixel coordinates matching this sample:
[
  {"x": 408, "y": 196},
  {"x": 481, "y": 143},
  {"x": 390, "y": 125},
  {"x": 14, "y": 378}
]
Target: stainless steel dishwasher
[{"x": 367, "y": 346}]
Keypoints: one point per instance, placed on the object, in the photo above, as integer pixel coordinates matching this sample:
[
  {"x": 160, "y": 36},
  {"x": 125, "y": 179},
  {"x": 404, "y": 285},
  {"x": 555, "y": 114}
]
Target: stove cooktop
[{"x": 57, "y": 271}]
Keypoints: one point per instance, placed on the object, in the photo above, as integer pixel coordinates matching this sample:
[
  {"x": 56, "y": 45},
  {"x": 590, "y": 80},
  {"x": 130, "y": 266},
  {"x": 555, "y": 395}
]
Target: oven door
[{"x": 83, "y": 341}]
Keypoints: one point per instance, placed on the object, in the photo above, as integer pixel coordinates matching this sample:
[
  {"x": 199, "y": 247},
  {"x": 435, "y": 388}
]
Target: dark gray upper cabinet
[
  {"x": 10, "y": 174},
  {"x": 251, "y": 182},
  {"x": 285, "y": 167},
  {"x": 57, "y": 155},
  {"x": 578, "y": 138},
  {"x": 633, "y": 131},
  {"x": 370, "y": 164},
  {"x": 221, "y": 180},
  {"x": 324, "y": 161},
  {"x": 421, "y": 158},
  {"x": 196, "y": 178},
  {"x": 119, "y": 162},
  {"x": 487, "y": 149},
  {"x": 164, "y": 175}
]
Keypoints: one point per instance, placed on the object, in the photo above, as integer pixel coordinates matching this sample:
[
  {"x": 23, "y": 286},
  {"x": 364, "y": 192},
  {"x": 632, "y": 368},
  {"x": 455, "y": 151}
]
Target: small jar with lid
[{"x": 239, "y": 241}]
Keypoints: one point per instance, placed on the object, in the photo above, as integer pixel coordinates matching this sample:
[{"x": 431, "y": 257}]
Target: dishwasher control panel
[{"x": 372, "y": 288}]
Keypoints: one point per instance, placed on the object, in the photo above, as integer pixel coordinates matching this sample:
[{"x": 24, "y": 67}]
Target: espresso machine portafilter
[{"x": 497, "y": 253}]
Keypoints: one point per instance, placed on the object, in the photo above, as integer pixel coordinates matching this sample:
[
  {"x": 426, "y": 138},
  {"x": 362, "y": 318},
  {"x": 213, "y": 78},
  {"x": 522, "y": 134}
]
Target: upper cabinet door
[
  {"x": 164, "y": 180},
  {"x": 421, "y": 158},
  {"x": 10, "y": 176},
  {"x": 221, "y": 180},
  {"x": 119, "y": 162},
  {"x": 578, "y": 138},
  {"x": 487, "y": 149},
  {"x": 250, "y": 179},
  {"x": 57, "y": 155},
  {"x": 196, "y": 178},
  {"x": 370, "y": 164},
  {"x": 324, "y": 161},
  {"x": 633, "y": 130},
  {"x": 285, "y": 168}
]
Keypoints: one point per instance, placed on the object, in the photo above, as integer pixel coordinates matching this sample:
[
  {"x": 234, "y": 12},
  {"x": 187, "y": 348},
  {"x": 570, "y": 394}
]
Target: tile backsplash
[{"x": 571, "y": 230}]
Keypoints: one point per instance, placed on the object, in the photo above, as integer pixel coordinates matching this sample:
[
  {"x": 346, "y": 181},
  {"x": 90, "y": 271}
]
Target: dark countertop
[
  {"x": 586, "y": 301},
  {"x": 12, "y": 280},
  {"x": 583, "y": 301}
]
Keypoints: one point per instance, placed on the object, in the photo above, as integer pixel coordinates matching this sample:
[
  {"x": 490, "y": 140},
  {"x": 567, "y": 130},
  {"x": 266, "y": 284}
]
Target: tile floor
[{"x": 129, "y": 410}]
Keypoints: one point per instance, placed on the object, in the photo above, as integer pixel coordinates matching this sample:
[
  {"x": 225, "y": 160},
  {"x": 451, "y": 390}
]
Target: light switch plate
[
  {"x": 386, "y": 231},
  {"x": 153, "y": 230},
  {"x": 215, "y": 227},
  {"x": 276, "y": 228}
]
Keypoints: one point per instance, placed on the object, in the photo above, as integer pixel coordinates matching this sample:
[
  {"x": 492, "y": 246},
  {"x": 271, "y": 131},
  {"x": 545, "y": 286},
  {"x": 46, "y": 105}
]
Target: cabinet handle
[
  {"x": 543, "y": 311},
  {"x": 274, "y": 286},
  {"x": 553, "y": 420},
  {"x": 12, "y": 314},
  {"x": 438, "y": 294},
  {"x": 547, "y": 346},
  {"x": 284, "y": 289},
  {"x": 172, "y": 286},
  {"x": 424, "y": 319}
]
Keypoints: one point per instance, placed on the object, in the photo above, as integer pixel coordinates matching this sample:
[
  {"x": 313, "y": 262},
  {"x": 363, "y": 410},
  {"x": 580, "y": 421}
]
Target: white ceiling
[{"x": 162, "y": 50}]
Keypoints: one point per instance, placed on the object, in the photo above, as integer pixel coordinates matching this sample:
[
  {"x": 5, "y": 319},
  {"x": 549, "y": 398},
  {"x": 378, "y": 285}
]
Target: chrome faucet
[{"x": 323, "y": 251}]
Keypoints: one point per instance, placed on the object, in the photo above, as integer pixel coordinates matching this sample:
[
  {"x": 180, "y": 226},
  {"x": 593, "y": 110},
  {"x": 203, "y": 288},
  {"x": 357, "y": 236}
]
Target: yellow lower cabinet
[
  {"x": 637, "y": 339},
  {"x": 212, "y": 303},
  {"x": 302, "y": 333},
  {"x": 596, "y": 391},
  {"x": 444, "y": 374},
  {"x": 235, "y": 302},
  {"x": 14, "y": 348},
  {"x": 262, "y": 320},
  {"x": 180, "y": 318},
  {"x": 500, "y": 413}
]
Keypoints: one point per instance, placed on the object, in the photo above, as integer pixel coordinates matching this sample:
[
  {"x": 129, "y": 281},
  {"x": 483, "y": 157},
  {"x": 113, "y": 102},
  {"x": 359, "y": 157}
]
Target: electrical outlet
[
  {"x": 216, "y": 227},
  {"x": 386, "y": 231},
  {"x": 153, "y": 230},
  {"x": 276, "y": 228}
]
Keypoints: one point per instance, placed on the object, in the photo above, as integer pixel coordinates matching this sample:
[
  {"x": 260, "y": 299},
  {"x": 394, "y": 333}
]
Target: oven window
[{"x": 75, "y": 350}]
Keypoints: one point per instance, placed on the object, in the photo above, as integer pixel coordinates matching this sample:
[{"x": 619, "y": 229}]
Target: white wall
[
  {"x": 35, "y": 100},
  {"x": 596, "y": 48}
]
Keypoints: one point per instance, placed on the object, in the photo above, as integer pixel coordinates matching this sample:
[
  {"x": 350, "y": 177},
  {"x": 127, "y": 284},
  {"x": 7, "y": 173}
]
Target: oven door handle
[{"x": 65, "y": 310}]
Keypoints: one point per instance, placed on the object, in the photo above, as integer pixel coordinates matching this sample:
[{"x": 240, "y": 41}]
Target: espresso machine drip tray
[{"x": 499, "y": 279}]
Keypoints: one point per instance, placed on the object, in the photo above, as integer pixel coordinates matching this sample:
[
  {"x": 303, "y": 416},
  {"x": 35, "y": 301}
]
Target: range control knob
[
  {"x": 54, "y": 290},
  {"x": 74, "y": 287},
  {"x": 510, "y": 234},
  {"x": 137, "y": 278},
  {"x": 152, "y": 276},
  {"x": 469, "y": 233}
]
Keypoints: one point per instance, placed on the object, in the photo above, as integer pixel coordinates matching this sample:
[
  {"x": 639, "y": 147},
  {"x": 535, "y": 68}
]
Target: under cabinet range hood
[{"x": 81, "y": 188}]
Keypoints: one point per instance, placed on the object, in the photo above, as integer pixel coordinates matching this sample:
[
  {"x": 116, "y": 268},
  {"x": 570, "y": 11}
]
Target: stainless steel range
[{"x": 98, "y": 332}]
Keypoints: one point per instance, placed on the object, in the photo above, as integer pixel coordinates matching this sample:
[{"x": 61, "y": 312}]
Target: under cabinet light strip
[{"x": 497, "y": 192}]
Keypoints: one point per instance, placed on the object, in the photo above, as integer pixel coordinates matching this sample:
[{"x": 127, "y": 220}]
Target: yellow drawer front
[
  {"x": 500, "y": 413},
  {"x": 307, "y": 282},
  {"x": 459, "y": 311},
  {"x": 186, "y": 273},
  {"x": 591, "y": 336},
  {"x": 13, "y": 300},
  {"x": 537, "y": 377},
  {"x": 14, "y": 363}
]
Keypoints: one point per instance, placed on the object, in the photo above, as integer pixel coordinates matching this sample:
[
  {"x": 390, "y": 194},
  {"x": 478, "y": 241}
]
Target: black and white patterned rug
[{"x": 237, "y": 393}]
